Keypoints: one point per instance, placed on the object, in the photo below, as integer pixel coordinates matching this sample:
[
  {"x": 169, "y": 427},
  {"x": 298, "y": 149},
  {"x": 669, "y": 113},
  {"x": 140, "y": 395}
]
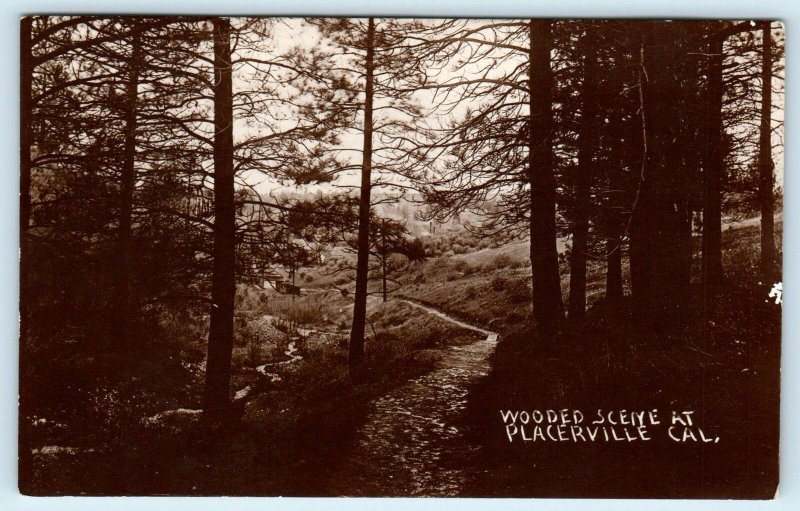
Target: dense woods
[{"x": 191, "y": 188}]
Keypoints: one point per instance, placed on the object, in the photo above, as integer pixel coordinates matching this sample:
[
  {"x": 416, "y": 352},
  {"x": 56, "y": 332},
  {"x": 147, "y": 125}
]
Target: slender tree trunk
[
  {"x": 548, "y": 308},
  {"x": 223, "y": 285},
  {"x": 614, "y": 292},
  {"x": 356, "y": 352},
  {"x": 583, "y": 181},
  {"x": 383, "y": 265},
  {"x": 637, "y": 242},
  {"x": 765, "y": 166},
  {"x": 124, "y": 309},
  {"x": 614, "y": 289},
  {"x": 613, "y": 218},
  {"x": 26, "y": 142},
  {"x": 712, "y": 177},
  {"x": 26, "y": 115},
  {"x": 660, "y": 248}
]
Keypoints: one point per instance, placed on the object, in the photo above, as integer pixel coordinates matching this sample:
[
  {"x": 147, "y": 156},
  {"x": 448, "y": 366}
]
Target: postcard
[{"x": 400, "y": 257}]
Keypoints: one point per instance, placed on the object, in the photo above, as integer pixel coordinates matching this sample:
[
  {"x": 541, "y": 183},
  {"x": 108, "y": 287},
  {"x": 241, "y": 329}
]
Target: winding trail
[
  {"x": 437, "y": 312},
  {"x": 410, "y": 444}
]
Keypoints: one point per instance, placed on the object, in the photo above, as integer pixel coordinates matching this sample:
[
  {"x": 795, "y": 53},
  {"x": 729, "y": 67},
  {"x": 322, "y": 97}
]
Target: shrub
[
  {"x": 282, "y": 325},
  {"x": 517, "y": 316},
  {"x": 460, "y": 249},
  {"x": 503, "y": 261},
  {"x": 498, "y": 284},
  {"x": 518, "y": 291},
  {"x": 519, "y": 263},
  {"x": 460, "y": 265},
  {"x": 470, "y": 269},
  {"x": 498, "y": 261},
  {"x": 254, "y": 351}
]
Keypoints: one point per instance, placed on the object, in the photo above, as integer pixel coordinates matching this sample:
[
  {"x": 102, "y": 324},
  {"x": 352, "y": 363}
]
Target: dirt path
[{"x": 410, "y": 443}]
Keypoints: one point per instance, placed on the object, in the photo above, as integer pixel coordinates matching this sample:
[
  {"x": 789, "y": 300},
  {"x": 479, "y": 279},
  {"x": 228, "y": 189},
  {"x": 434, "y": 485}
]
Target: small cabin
[{"x": 277, "y": 282}]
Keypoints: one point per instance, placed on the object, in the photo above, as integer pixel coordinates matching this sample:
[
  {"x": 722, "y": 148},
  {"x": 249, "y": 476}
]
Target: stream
[
  {"x": 292, "y": 356},
  {"x": 409, "y": 444}
]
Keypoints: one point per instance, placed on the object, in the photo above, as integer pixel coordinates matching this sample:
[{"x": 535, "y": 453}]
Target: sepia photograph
[{"x": 400, "y": 257}]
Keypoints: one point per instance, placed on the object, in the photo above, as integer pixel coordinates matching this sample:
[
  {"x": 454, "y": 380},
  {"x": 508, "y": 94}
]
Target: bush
[
  {"x": 470, "y": 269},
  {"x": 282, "y": 325},
  {"x": 518, "y": 291},
  {"x": 498, "y": 284},
  {"x": 503, "y": 261},
  {"x": 460, "y": 249},
  {"x": 460, "y": 265},
  {"x": 500, "y": 261},
  {"x": 520, "y": 264}
]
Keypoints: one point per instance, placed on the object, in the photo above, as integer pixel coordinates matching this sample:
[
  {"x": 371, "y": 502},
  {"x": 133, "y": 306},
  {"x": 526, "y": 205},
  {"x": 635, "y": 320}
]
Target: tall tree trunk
[
  {"x": 124, "y": 309},
  {"x": 356, "y": 352},
  {"x": 26, "y": 115},
  {"x": 613, "y": 220},
  {"x": 583, "y": 180},
  {"x": 712, "y": 177},
  {"x": 637, "y": 253},
  {"x": 384, "y": 255},
  {"x": 660, "y": 248},
  {"x": 26, "y": 142},
  {"x": 613, "y": 217},
  {"x": 614, "y": 289},
  {"x": 223, "y": 285},
  {"x": 765, "y": 166},
  {"x": 548, "y": 308}
]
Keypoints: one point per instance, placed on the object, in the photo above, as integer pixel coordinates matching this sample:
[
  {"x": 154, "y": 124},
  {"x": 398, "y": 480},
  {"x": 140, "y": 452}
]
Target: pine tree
[
  {"x": 381, "y": 66},
  {"x": 765, "y": 164},
  {"x": 501, "y": 143},
  {"x": 583, "y": 177}
]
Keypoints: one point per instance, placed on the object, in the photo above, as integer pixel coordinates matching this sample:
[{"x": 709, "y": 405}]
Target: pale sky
[{"x": 291, "y": 32}]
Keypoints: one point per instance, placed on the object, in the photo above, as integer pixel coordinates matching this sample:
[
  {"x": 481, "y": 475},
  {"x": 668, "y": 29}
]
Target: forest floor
[
  {"x": 131, "y": 425},
  {"x": 123, "y": 424},
  {"x": 726, "y": 371}
]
